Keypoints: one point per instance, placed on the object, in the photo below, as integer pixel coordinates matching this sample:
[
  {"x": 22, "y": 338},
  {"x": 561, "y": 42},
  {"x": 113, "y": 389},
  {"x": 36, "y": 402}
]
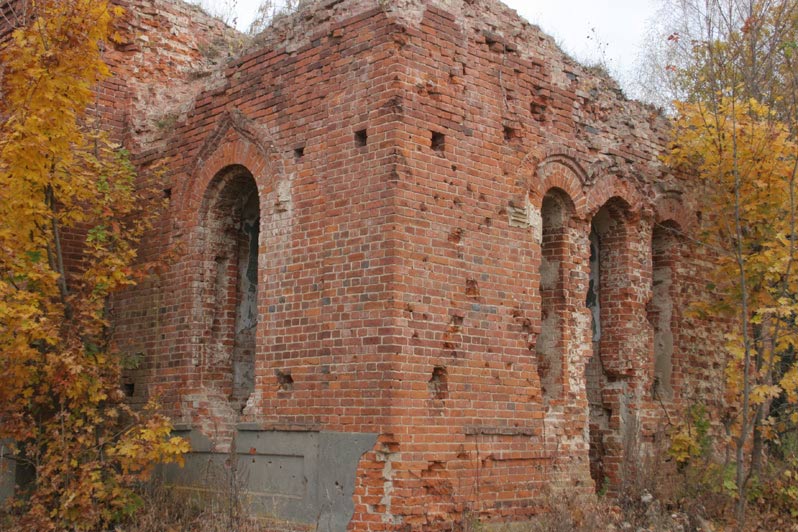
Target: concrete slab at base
[
  {"x": 7, "y": 474},
  {"x": 300, "y": 476}
]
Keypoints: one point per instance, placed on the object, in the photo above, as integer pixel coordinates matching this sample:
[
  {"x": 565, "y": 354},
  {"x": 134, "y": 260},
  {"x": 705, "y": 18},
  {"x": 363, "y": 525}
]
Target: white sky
[{"x": 590, "y": 30}]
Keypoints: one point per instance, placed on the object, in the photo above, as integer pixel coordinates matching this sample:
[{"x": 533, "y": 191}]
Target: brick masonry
[{"x": 465, "y": 251}]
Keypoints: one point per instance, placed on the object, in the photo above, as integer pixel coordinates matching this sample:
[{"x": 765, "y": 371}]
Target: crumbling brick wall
[{"x": 418, "y": 265}]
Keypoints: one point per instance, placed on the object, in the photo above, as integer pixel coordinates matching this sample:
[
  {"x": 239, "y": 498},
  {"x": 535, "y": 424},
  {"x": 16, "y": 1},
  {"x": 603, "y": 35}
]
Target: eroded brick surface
[{"x": 430, "y": 178}]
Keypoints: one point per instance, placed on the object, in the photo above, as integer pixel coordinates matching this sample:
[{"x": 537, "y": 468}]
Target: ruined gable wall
[
  {"x": 324, "y": 261},
  {"x": 169, "y": 51}
]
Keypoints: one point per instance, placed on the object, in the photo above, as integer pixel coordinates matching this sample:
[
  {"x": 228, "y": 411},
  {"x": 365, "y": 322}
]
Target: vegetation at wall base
[{"x": 65, "y": 184}]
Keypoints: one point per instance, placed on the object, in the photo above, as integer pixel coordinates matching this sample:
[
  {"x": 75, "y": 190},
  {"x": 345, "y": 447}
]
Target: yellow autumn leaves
[{"x": 63, "y": 180}]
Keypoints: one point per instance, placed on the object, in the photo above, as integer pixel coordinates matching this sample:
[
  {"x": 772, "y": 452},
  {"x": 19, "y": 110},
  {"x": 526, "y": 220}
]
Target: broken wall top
[
  {"x": 169, "y": 51},
  {"x": 488, "y": 17},
  {"x": 173, "y": 52},
  {"x": 599, "y": 104}
]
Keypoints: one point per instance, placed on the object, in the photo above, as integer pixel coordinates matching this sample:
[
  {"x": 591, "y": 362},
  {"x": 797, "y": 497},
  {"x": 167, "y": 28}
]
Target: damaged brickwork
[{"x": 423, "y": 267}]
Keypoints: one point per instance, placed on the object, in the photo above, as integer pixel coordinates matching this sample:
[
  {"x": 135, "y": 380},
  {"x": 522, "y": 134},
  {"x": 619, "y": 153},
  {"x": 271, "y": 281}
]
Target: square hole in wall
[
  {"x": 538, "y": 111},
  {"x": 438, "y": 143},
  {"x": 361, "y": 138},
  {"x": 510, "y": 133},
  {"x": 299, "y": 152},
  {"x": 284, "y": 380}
]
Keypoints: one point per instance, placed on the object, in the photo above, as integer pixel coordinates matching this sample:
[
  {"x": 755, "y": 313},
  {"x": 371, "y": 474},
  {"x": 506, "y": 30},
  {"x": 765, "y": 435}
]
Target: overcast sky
[{"x": 590, "y": 30}]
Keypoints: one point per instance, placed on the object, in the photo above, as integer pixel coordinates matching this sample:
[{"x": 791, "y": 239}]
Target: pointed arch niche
[
  {"x": 551, "y": 346},
  {"x": 229, "y": 249}
]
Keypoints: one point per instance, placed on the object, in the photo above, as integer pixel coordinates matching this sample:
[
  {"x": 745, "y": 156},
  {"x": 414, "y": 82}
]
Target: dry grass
[
  {"x": 659, "y": 496},
  {"x": 166, "y": 509}
]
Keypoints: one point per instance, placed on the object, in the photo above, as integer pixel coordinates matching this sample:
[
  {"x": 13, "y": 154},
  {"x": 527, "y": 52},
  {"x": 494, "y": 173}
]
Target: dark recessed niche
[
  {"x": 538, "y": 110},
  {"x": 284, "y": 380},
  {"x": 299, "y": 152},
  {"x": 167, "y": 193},
  {"x": 361, "y": 138},
  {"x": 438, "y": 384},
  {"x": 129, "y": 388},
  {"x": 438, "y": 143},
  {"x": 510, "y": 134}
]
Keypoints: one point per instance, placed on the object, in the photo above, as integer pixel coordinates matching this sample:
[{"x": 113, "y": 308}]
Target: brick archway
[
  {"x": 233, "y": 187},
  {"x": 234, "y": 148}
]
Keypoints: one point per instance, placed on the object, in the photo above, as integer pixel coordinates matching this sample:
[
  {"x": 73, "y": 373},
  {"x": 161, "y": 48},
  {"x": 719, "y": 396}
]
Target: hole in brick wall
[
  {"x": 538, "y": 111},
  {"x": 167, "y": 193},
  {"x": 299, "y": 152},
  {"x": 456, "y": 235},
  {"x": 526, "y": 326},
  {"x": 510, "y": 133},
  {"x": 284, "y": 380},
  {"x": 438, "y": 384},
  {"x": 361, "y": 138},
  {"x": 129, "y": 388},
  {"x": 438, "y": 142},
  {"x": 472, "y": 288}
]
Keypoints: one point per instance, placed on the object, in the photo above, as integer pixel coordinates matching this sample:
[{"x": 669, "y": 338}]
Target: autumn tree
[
  {"x": 733, "y": 68},
  {"x": 70, "y": 220}
]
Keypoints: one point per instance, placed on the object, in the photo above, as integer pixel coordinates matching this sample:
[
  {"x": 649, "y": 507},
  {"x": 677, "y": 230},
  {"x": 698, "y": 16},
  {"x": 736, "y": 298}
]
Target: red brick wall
[
  {"x": 400, "y": 274},
  {"x": 325, "y": 269}
]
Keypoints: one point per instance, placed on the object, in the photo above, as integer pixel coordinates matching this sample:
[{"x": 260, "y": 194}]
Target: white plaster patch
[{"x": 535, "y": 222}]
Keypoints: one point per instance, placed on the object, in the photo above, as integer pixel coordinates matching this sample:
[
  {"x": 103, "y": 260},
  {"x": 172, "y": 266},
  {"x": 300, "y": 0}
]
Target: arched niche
[
  {"x": 550, "y": 348},
  {"x": 665, "y": 253},
  {"x": 609, "y": 299},
  {"x": 229, "y": 228}
]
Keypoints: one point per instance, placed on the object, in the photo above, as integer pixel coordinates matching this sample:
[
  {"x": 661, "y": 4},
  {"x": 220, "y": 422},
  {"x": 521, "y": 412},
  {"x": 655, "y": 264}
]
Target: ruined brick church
[{"x": 423, "y": 266}]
